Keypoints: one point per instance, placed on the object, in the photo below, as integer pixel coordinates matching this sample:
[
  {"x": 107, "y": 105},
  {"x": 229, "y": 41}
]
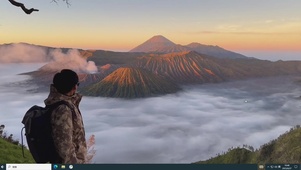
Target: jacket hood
[{"x": 54, "y": 96}]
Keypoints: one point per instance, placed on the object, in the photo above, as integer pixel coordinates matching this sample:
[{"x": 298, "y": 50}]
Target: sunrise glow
[{"x": 235, "y": 25}]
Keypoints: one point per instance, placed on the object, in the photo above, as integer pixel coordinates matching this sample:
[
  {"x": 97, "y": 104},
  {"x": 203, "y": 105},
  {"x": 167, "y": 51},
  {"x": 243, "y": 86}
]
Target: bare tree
[
  {"x": 29, "y": 11},
  {"x": 67, "y": 2}
]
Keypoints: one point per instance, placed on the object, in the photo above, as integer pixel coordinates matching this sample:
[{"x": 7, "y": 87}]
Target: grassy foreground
[{"x": 11, "y": 153}]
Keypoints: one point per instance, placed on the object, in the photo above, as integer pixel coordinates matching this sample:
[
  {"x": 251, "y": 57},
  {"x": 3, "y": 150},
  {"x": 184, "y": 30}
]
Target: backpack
[{"x": 37, "y": 124}]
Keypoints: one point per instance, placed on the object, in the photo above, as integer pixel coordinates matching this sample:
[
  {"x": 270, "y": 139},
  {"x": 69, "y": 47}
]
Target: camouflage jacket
[{"x": 67, "y": 128}]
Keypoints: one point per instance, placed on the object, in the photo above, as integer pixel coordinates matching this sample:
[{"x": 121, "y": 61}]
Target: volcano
[{"x": 128, "y": 82}]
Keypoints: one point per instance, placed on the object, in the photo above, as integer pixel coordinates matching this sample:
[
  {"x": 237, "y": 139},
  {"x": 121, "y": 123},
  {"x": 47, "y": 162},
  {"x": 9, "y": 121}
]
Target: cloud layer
[
  {"x": 26, "y": 53},
  {"x": 21, "y": 52},
  {"x": 189, "y": 126}
]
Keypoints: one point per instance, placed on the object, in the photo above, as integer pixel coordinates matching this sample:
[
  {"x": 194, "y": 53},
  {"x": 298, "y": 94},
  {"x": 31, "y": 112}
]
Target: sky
[
  {"x": 268, "y": 29},
  {"x": 194, "y": 124}
]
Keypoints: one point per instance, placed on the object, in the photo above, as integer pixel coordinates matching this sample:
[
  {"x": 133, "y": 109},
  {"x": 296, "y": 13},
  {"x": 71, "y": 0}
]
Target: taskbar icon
[{"x": 62, "y": 167}]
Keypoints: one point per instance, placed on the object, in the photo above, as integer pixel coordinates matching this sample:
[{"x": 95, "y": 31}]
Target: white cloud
[
  {"x": 269, "y": 21},
  {"x": 26, "y": 53},
  {"x": 22, "y": 53}
]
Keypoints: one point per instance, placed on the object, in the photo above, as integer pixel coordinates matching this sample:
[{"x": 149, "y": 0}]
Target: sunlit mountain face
[{"x": 131, "y": 83}]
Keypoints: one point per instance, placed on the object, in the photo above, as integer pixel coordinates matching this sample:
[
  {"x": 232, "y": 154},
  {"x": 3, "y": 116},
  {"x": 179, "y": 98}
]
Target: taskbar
[{"x": 150, "y": 166}]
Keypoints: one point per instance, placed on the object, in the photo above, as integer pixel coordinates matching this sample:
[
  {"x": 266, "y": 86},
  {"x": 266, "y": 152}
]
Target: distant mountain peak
[
  {"x": 153, "y": 44},
  {"x": 160, "y": 39}
]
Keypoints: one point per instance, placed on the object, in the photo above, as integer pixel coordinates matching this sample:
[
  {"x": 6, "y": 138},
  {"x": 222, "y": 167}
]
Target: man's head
[{"x": 65, "y": 81}]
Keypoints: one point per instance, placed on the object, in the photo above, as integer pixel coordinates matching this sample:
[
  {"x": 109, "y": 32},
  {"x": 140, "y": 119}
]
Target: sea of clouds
[{"x": 194, "y": 124}]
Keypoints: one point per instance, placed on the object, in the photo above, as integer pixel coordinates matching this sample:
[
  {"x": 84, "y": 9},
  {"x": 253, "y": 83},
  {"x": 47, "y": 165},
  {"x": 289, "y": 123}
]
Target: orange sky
[{"x": 123, "y": 25}]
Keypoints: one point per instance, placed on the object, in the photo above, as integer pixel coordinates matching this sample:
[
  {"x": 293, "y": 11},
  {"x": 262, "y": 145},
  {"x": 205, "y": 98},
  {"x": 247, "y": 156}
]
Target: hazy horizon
[
  {"x": 22, "y": 52},
  {"x": 192, "y": 125}
]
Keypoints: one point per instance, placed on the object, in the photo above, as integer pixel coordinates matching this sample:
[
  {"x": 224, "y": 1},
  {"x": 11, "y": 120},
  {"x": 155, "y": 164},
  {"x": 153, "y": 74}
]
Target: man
[{"x": 66, "y": 120}]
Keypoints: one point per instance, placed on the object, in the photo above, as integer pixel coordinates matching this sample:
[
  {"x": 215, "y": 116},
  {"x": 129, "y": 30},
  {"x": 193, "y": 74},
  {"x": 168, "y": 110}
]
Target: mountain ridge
[
  {"x": 160, "y": 44},
  {"x": 182, "y": 68},
  {"x": 185, "y": 67},
  {"x": 214, "y": 51}
]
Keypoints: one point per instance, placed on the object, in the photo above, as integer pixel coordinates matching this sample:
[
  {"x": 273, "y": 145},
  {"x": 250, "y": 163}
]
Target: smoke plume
[{"x": 70, "y": 60}]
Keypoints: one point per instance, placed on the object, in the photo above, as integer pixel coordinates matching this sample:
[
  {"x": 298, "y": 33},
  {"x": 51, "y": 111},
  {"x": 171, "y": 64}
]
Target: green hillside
[
  {"x": 11, "y": 153},
  {"x": 234, "y": 156},
  {"x": 285, "y": 149}
]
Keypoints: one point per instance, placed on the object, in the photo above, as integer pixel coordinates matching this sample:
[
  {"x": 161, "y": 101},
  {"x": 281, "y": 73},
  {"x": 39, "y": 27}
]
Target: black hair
[{"x": 65, "y": 80}]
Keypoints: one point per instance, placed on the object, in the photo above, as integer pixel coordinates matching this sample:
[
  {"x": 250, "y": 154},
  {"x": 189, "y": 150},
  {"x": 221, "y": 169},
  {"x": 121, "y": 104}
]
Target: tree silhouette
[
  {"x": 29, "y": 11},
  {"x": 22, "y": 6}
]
